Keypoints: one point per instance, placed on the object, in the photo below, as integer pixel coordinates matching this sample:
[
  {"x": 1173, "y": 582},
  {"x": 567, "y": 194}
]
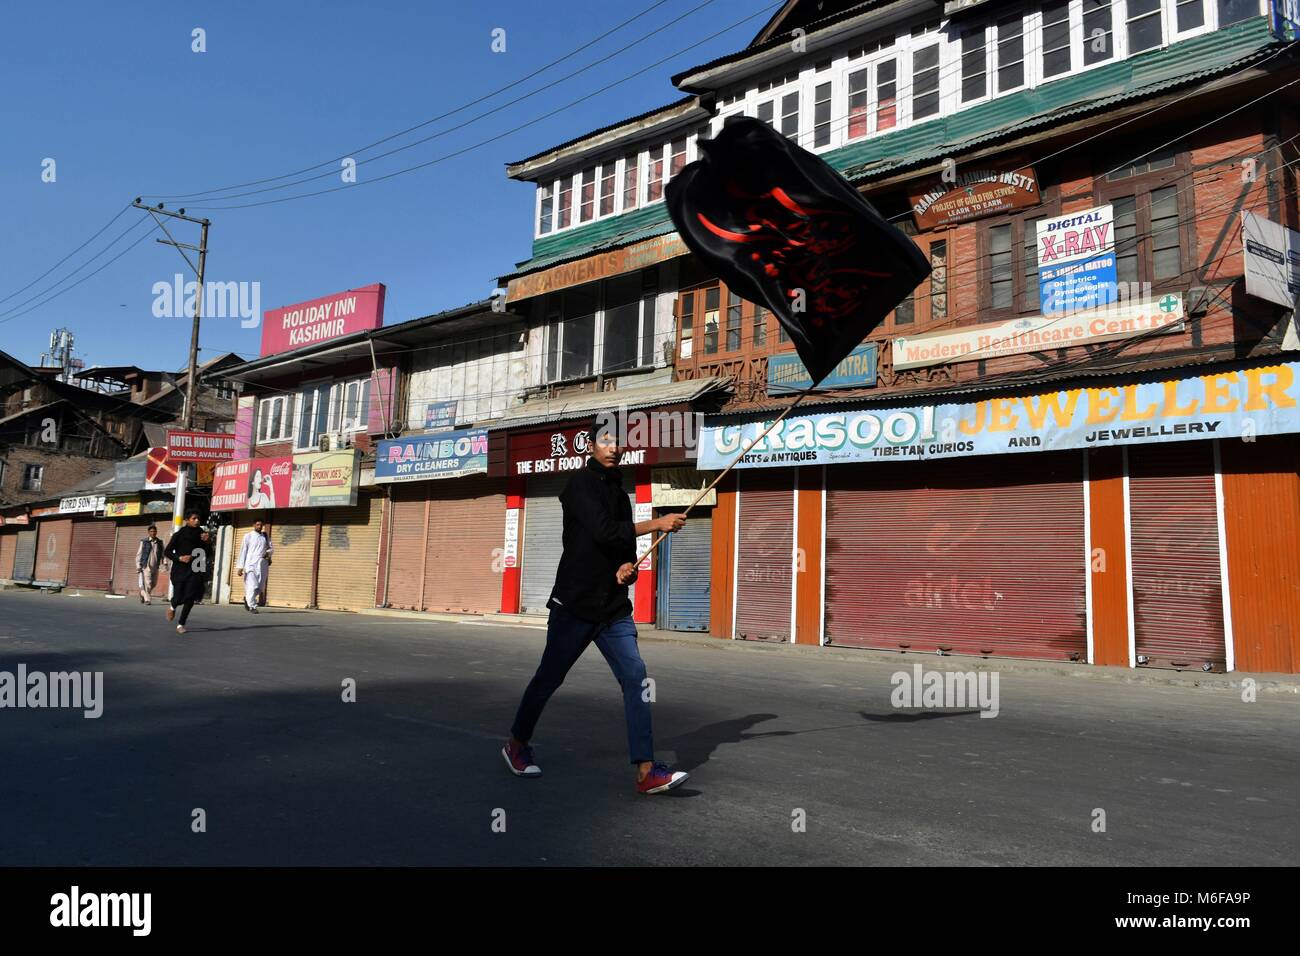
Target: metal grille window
[
  {"x": 711, "y": 299},
  {"x": 886, "y": 94},
  {"x": 587, "y": 200},
  {"x": 938, "y": 280},
  {"x": 974, "y": 65},
  {"x": 1098, "y": 31},
  {"x": 790, "y": 115},
  {"x": 565, "y": 214},
  {"x": 1234, "y": 11},
  {"x": 546, "y": 201},
  {"x": 1056, "y": 37},
  {"x": 857, "y": 104},
  {"x": 607, "y": 189},
  {"x": 733, "y": 321},
  {"x": 631, "y": 165},
  {"x": 1144, "y": 30},
  {"x": 925, "y": 82},
  {"x": 1011, "y": 54},
  {"x": 1191, "y": 14},
  {"x": 822, "y": 115},
  {"x": 1002, "y": 283}
]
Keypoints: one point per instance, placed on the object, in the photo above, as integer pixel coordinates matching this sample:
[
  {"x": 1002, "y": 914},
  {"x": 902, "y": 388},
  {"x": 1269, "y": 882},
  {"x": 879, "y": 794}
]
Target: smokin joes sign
[{"x": 319, "y": 320}]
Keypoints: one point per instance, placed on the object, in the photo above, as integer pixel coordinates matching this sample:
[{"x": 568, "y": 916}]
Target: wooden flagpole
[{"x": 743, "y": 452}]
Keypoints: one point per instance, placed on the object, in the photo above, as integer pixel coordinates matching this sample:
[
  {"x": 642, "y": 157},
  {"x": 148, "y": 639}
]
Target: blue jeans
[{"x": 566, "y": 638}]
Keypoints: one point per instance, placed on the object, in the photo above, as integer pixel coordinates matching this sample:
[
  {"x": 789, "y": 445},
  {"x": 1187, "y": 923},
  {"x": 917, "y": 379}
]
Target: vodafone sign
[{"x": 320, "y": 320}]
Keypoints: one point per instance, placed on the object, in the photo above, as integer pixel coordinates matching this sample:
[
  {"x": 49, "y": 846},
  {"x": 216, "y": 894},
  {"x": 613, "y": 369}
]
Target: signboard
[
  {"x": 200, "y": 446},
  {"x": 1284, "y": 18},
  {"x": 230, "y": 486},
  {"x": 160, "y": 470},
  {"x": 14, "y": 519},
  {"x": 440, "y": 416},
  {"x": 973, "y": 194},
  {"x": 45, "y": 512},
  {"x": 122, "y": 509},
  {"x": 600, "y": 266},
  {"x": 1264, "y": 400},
  {"x": 643, "y": 511},
  {"x": 326, "y": 480},
  {"x": 306, "y": 323},
  {"x": 81, "y": 504},
  {"x": 678, "y": 487},
  {"x": 1272, "y": 260},
  {"x": 128, "y": 476},
  {"x": 785, "y": 373},
  {"x": 450, "y": 455},
  {"x": 1076, "y": 260},
  {"x": 510, "y": 554},
  {"x": 1041, "y": 333},
  {"x": 556, "y": 450}
]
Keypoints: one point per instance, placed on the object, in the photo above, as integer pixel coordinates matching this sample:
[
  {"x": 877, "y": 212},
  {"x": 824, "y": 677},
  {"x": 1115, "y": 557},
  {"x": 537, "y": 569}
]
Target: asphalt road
[{"x": 244, "y": 718}]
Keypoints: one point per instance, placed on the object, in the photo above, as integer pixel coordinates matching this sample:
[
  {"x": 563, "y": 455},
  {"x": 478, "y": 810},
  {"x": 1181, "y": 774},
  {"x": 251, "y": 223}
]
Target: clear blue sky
[{"x": 115, "y": 95}]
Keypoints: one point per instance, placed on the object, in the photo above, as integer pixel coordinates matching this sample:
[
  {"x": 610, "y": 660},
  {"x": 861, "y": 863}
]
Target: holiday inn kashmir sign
[{"x": 319, "y": 320}]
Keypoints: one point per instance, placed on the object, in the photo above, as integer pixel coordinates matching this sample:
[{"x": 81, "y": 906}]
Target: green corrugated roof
[{"x": 1138, "y": 76}]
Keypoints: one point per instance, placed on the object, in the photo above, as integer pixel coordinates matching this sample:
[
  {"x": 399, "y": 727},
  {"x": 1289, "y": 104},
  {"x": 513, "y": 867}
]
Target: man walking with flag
[{"x": 589, "y": 605}]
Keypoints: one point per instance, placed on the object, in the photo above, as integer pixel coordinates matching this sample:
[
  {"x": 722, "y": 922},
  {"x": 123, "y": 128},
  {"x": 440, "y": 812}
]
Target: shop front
[
  {"x": 684, "y": 579},
  {"x": 1150, "y": 523}
]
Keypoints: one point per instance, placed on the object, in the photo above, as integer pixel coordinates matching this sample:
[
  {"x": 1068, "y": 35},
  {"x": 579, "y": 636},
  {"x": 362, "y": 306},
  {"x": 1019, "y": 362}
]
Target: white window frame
[
  {"x": 287, "y": 419},
  {"x": 33, "y": 477}
]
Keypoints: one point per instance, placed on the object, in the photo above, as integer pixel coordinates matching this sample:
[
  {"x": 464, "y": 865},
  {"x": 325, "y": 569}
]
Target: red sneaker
[
  {"x": 520, "y": 760},
  {"x": 660, "y": 779}
]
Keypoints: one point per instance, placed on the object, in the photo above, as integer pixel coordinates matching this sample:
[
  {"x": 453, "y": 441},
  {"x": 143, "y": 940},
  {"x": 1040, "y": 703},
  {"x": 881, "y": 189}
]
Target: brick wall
[{"x": 62, "y": 471}]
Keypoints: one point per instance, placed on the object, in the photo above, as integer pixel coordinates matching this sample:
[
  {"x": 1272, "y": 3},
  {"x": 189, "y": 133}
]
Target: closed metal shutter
[
  {"x": 53, "y": 548},
  {"x": 1174, "y": 538},
  {"x": 129, "y": 534},
  {"x": 8, "y": 548},
  {"x": 25, "y": 555},
  {"x": 544, "y": 536},
  {"x": 293, "y": 540},
  {"x": 349, "y": 555},
  {"x": 91, "y": 562},
  {"x": 543, "y": 541},
  {"x": 406, "y": 542},
  {"x": 687, "y": 574},
  {"x": 977, "y": 556},
  {"x": 467, "y": 526},
  {"x": 764, "y": 561}
]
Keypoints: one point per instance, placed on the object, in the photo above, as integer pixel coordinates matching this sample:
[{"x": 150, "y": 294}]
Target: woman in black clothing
[{"x": 191, "y": 557}]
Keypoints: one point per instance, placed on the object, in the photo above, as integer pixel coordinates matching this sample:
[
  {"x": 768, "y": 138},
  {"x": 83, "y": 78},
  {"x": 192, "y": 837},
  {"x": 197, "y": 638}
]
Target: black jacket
[
  {"x": 599, "y": 537},
  {"x": 185, "y": 541}
]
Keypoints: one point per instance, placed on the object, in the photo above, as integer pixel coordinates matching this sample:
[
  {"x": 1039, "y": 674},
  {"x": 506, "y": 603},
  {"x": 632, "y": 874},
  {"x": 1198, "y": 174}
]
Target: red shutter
[
  {"x": 91, "y": 562},
  {"x": 1174, "y": 540},
  {"x": 765, "y": 556},
  {"x": 978, "y": 556},
  {"x": 53, "y": 546},
  {"x": 8, "y": 547},
  {"x": 467, "y": 528}
]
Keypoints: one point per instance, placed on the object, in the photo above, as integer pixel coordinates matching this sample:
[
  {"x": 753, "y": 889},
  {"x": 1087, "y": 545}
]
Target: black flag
[{"x": 783, "y": 229}]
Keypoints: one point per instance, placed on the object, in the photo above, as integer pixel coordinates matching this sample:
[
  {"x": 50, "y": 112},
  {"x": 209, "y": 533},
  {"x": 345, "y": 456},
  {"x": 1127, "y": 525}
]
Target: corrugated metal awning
[{"x": 542, "y": 411}]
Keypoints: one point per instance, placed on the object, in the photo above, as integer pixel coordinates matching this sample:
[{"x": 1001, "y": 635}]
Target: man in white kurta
[{"x": 252, "y": 563}]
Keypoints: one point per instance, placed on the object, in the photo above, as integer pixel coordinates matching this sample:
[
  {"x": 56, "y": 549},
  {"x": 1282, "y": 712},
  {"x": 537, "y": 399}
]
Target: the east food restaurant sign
[
  {"x": 1264, "y": 400},
  {"x": 556, "y": 450},
  {"x": 319, "y": 320},
  {"x": 449, "y": 455}
]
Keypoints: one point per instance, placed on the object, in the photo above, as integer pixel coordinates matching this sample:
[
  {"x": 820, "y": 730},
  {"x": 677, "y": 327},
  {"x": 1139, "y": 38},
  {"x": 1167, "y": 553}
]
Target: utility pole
[{"x": 191, "y": 385}]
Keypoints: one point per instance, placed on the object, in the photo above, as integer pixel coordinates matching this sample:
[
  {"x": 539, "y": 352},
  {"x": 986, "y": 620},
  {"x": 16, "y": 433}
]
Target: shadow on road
[
  {"x": 695, "y": 748},
  {"x": 907, "y": 717}
]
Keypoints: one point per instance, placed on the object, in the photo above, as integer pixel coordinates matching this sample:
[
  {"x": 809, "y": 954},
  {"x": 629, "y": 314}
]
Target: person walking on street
[
  {"x": 191, "y": 557},
  {"x": 266, "y": 571},
  {"x": 254, "y": 556},
  {"x": 148, "y": 559},
  {"x": 589, "y": 604}
]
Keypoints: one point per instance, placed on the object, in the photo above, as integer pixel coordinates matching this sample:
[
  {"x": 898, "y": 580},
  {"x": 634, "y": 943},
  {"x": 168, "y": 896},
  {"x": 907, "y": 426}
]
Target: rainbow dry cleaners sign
[
  {"x": 1264, "y": 400},
  {"x": 447, "y": 455},
  {"x": 320, "y": 320}
]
